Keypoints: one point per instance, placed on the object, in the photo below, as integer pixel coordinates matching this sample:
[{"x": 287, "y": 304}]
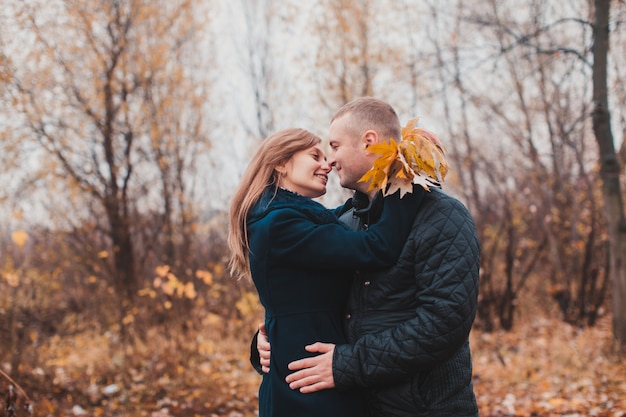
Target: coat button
[
  {"x": 366, "y": 283},
  {"x": 348, "y": 316}
]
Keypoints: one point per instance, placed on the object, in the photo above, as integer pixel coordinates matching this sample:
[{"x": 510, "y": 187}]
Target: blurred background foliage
[{"x": 125, "y": 124}]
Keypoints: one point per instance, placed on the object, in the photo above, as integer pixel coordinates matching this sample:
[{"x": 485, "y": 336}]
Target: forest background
[{"x": 126, "y": 124}]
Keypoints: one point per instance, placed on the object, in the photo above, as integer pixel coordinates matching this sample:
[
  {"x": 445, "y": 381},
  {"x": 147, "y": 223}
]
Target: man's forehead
[{"x": 337, "y": 131}]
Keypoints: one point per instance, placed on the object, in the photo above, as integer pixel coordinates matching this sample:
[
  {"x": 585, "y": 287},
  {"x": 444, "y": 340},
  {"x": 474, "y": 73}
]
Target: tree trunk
[
  {"x": 609, "y": 168},
  {"x": 123, "y": 251}
]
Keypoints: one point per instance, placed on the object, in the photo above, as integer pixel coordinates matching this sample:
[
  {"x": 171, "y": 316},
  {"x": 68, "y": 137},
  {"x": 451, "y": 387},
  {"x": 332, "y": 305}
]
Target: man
[{"x": 408, "y": 326}]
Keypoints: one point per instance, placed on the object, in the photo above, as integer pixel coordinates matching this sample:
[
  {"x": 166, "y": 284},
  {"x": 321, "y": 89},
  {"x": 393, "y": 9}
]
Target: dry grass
[
  {"x": 549, "y": 368},
  {"x": 543, "y": 368}
]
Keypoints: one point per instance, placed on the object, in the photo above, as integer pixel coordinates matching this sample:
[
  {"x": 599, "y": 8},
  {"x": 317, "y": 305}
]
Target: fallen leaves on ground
[
  {"x": 183, "y": 375},
  {"x": 549, "y": 368},
  {"x": 543, "y": 368}
]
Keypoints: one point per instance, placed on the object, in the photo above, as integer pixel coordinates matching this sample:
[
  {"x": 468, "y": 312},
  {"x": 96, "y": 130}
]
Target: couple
[{"x": 388, "y": 285}]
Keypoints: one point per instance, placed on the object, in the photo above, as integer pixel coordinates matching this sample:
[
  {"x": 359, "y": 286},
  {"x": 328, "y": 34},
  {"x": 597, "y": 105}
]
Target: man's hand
[
  {"x": 313, "y": 374},
  {"x": 263, "y": 346}
]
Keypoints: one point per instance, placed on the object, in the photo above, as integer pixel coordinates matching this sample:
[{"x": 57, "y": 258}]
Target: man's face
[{"x": 348, "y": 154}]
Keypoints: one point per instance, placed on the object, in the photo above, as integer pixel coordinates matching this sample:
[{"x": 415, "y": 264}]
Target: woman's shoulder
[{"x": 281, "y": 203}]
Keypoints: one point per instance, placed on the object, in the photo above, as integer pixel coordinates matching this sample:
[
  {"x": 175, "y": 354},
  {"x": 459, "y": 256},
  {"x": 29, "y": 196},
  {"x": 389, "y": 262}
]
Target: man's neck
[{"x": 371, "y": 194}]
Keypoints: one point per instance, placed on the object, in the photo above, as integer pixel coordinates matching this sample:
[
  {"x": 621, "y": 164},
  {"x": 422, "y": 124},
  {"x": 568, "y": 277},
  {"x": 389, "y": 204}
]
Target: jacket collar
[
  {"x": 278, "y": 198},
  {"x": 368, "y": 211}
]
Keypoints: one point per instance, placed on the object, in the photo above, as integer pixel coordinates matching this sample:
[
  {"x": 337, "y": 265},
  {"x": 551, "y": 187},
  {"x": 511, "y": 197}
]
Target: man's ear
[{"x": 370, "y": 137}]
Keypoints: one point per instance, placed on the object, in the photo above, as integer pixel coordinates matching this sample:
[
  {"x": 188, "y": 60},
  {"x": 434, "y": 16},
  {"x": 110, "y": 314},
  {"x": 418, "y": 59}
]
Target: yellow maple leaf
[
  {"x": 19, "y": 237},
  {"x": 419, "y": 158},
  {"x": 168, "y": 288},
  {"x": 379, "y": 173},
  {"x": 248, "y": 304},
  {"x": 190, "y": 291},
  {"x": 162, "y": 270},
  {"x": 13, "y": 280},
  {"x": 205, "y": 276}
]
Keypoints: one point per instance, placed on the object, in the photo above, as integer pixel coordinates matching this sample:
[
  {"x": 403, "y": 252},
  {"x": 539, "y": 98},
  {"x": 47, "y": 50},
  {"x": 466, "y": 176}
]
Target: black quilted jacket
[{"x": 408, "y": 326}]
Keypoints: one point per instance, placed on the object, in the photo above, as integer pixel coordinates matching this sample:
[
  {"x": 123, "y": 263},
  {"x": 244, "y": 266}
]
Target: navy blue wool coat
[{"x": 301, "y": 260}]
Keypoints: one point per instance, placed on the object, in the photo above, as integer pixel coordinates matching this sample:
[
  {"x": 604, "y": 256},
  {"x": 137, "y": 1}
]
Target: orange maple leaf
[
  {"x": 419, "y": 158},
  {"x": 378, "y": 175}
]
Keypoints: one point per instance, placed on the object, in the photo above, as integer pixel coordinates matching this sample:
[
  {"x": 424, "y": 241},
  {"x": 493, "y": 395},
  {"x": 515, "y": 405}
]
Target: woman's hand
[{"x": 263, "y": 346}]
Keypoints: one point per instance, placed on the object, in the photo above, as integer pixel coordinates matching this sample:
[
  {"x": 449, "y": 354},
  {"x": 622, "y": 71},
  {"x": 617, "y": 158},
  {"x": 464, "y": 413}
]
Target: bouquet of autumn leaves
[{"x": 417, "y": 159}]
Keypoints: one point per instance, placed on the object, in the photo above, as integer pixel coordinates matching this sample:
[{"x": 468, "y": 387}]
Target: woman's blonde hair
[{"x": 274, "y": 151}]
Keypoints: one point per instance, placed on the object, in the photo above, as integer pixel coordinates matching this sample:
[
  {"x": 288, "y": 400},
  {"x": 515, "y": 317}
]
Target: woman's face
[{"x": 306, "y": 173}]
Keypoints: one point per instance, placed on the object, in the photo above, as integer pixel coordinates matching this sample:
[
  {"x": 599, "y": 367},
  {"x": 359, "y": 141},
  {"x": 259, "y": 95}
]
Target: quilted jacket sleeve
[{"x": 444, "y": 249}]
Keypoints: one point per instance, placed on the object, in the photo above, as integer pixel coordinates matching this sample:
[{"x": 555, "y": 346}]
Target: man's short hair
[{"x": 369, "y": 113}]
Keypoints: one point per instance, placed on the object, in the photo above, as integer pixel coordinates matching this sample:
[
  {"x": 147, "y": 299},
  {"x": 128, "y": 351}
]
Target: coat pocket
[{"x": 396, "y": 400}]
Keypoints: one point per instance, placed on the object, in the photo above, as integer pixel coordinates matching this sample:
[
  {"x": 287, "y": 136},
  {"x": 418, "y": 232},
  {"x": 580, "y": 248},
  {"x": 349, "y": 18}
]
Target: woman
[{"x": 301, "y": 259}]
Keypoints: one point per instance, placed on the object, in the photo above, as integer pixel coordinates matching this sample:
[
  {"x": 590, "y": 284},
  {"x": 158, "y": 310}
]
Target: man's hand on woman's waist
[{"x": 315, "y": 373}]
